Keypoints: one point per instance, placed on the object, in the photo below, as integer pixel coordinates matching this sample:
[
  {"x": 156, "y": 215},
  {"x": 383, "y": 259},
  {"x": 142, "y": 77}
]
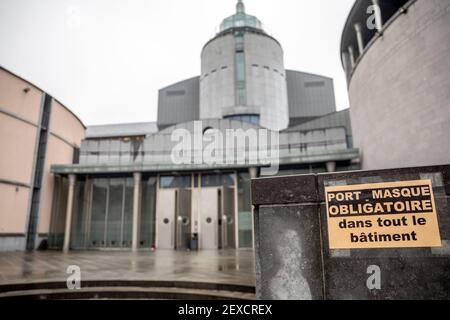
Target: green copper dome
[{"x": 240, "y": 19}]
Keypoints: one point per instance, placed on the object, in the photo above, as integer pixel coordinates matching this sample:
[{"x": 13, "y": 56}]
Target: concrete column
[
  {"x": 236, "y": 210},
  {"x": 346, "y": 63},
  {"x": 69, "y": 210},
  {"x": 378, "y": 15},
  {"x": 351, "y": 54},
  {"x": 359, "y": 38},
  {"x": 331, "y": 166},
  {"x": 253, "y": 173},
  {"x": 136, "y": 193}
]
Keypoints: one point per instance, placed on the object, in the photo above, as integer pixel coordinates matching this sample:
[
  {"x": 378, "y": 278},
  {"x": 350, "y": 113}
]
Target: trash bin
[{"x": 194, "y": 242}]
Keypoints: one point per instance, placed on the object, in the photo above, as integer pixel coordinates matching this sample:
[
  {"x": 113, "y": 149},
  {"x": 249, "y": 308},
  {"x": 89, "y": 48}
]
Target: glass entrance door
[
  {"x": 111, "y": 213},
  {"x": 98, "y": 213},
  {"x": 217, "y": 211}
]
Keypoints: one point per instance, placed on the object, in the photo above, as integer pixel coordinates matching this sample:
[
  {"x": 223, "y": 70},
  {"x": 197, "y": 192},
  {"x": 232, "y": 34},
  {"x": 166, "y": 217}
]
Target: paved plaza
[{"x": 224, "y": 267}]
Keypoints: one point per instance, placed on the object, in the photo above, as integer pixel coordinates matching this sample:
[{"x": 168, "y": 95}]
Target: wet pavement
[{"x": 227, "y": 266}]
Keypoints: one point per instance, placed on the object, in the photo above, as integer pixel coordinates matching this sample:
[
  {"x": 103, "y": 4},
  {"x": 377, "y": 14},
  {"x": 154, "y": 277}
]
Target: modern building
[
  {"x": 398, "y": 69},
  {"x": 36, "y": 131},
  {"x": 128, "y": 191}
]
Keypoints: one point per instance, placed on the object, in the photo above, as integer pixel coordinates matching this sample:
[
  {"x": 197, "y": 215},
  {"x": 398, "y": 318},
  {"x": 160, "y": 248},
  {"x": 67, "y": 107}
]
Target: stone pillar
[
  {"x": 294, "y": 259},
  {"x": 136, "y": 193},
  {"x": 359, "y": 38},
  {"x": 69, "y": 210},
  {"x": 236, "y": 210},
  {"x": 351, "y": 54},
  {"x": 346, "y": 63},
  {"x": 253, "y": 173},
  {"x": 378, "y": 15},
  {"x": 331, "y": 166}
]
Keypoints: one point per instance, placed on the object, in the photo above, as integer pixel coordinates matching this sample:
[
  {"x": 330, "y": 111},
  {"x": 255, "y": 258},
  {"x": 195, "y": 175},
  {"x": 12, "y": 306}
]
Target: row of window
[
  {"x": 253, "y": 65},
  {"x": 214, "y": 71},
  {"x": 248, "y": 118},
  {"x": 186, "y": 181},
  {"x": 252, "y": 119},
  {"x": 314, "y": 84},
  {"x": 268, "y": 68}
]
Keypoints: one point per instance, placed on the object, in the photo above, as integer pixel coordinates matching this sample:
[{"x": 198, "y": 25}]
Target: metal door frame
[
  {"x": 199, "y": 187},
  {"x": 89, "y": 184}
]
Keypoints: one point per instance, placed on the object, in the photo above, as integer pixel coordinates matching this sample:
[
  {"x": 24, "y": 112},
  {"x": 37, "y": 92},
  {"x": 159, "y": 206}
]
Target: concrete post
[
  {"x": 359, "y": 38},
  {"x": 136, "y": 193},
  {"x": 351, "y": 54},
  {"x": 346, "y": 63},
  {"x": 236, "y": 210},
  {"x": 253, "y": 173},
  {"x": 69, "y": 210},
  {"x": 295, "y": 258},
  {"x": 331, "y": 167},
  {"x": 378, "y": 15}
]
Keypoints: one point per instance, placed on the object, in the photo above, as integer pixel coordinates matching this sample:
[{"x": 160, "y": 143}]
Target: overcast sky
[{"x": 106, "y": 59}]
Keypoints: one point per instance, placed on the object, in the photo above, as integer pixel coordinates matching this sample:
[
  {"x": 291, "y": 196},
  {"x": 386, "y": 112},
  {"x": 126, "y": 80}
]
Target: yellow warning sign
[{"x": 382, "y": 215}]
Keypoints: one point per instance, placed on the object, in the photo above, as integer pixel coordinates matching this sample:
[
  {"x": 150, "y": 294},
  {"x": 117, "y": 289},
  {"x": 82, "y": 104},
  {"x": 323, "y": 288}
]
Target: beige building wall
[
  {"x": 20, "y": 110},
  {"x": 17, "y": 142},
  {"x": 19, "y": 97},
  {"x": 13, "y": 209},
  {"x": 19, "y": 116}
]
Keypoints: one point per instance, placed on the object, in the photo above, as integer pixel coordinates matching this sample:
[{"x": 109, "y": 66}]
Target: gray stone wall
[
  {"x": 399, "y": 91},
  {"x": 157, "y": 148},
  {"x": 217, "y": 77},
  {"x": 266, "y": 88},
  {"x": 309, "y": 95},
  {"x": 266, "y": 80},
  {"x": 179, "y": 103}
]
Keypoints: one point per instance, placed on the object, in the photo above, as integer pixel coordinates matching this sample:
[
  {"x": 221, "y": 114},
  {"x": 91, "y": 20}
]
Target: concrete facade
[
  {"x": 21, "y": 116},
  {"x": 118, "y": 186},
  {"x": 179, "y": 102},
  {"x": 309, "y": 96},
  {"x": 266, "y": 80},
  {"x": 243, "y": 73},
  {"x": 121, "y": 130},
  {"x": 215, "y": 133},
  {"x": 156, "y": 149},
  {"x": 217, "y": 77},
  {"x": 401, "y": 83},
  {"x": 243, "y": 78},
  {"x": 266, "y": 91}
]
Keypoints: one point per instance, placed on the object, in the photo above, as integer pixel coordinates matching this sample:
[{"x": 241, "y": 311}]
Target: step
[
  {"x": 128, "y": 289},
  {"x": 128, "y": 293}
]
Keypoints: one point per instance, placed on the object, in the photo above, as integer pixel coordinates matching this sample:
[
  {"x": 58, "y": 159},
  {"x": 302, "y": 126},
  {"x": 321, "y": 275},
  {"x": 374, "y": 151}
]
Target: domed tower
[{"x": 243, "y": 76}]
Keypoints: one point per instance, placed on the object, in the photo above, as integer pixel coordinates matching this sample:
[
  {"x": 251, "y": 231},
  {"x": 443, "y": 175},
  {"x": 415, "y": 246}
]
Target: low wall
[{"x": 293, "y": 255}]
